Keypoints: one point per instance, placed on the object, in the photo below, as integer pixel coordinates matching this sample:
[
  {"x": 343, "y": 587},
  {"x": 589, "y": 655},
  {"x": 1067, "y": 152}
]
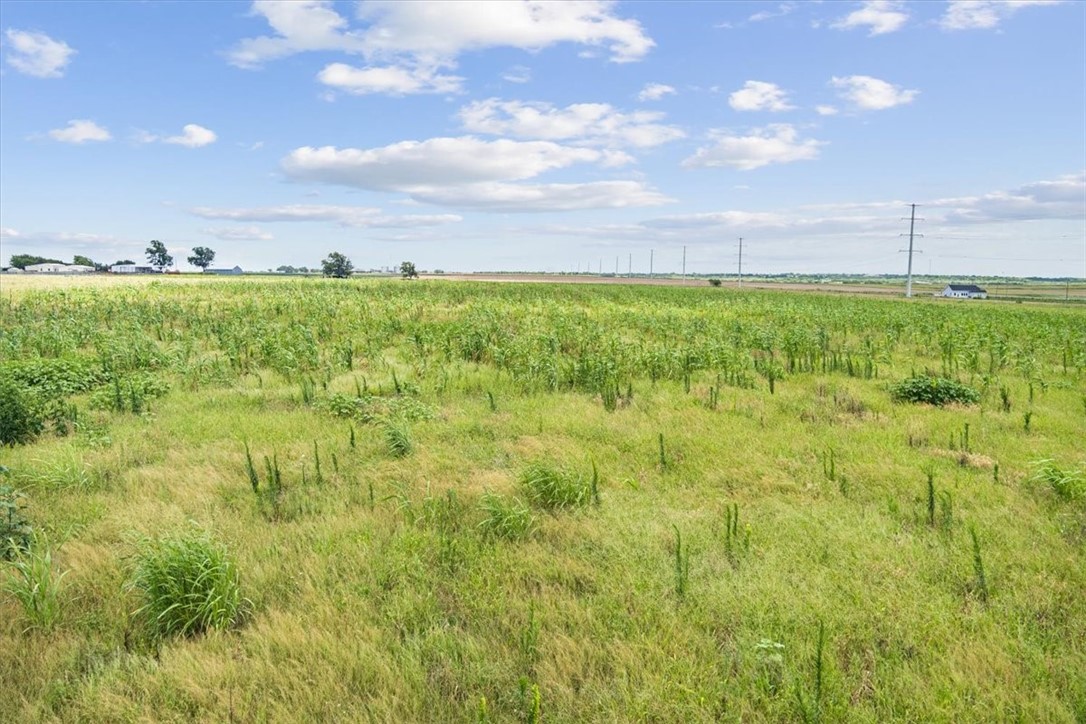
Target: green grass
[
  {"x": 605, "y": 514},
  {"x": 186, "y": 584}
]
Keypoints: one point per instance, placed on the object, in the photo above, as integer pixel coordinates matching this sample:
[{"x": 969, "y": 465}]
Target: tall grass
[
  {"x": 554, "y": 488},
  {"x": 509, "y": 519},
  {"x": 35, "y": 584},
  {"x": 186, "y": 584}
]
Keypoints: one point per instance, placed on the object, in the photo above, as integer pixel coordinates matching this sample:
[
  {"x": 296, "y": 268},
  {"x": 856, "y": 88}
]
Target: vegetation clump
[
  {"x": 936, "y": 391},
  {"x": 510, "y": 519},
  {"x": 554, "y": 488},
  {"x": 22, "y": 418},
  {"x": 187, "y": 584}
]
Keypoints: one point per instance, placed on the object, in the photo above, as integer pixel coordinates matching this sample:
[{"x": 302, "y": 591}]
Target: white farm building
[
  {"x": 50, "y": 268},
  {"x": 964, "y": 291},
  {"x": 131, "y": 269}
]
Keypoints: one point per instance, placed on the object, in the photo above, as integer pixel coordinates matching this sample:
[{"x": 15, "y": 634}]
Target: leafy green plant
[
  {"x": 510, "y": 519},
  {"x": 397, "y": 439},
  {"x": 187, "y": 584},
  {"x": 1067, "y": 483},
  {"x": 35, "y": 584},
  {"x": 21, "y": 416},
  {"x": 937, "y": 391},
  {"x": 15, "y": 529}
]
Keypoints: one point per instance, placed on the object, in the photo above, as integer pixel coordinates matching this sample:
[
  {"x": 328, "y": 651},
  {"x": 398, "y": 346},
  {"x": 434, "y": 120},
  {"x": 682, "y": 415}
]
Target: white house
[{"x": 964, "y": 291}]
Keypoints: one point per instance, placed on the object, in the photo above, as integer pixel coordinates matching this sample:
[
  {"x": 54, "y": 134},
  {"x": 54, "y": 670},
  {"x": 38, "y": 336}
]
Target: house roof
[{"x": 966, "y": 288}]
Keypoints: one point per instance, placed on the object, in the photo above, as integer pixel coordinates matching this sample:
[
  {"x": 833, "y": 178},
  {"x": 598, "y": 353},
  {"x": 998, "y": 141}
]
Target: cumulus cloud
[
  {"x": 473, "y": 173},
  {"x": 392, "y": 80},
  {"x": 239, "y": 233},
  {"x": 590, "y": 123},
  {"x": 408, "y": 44},
  {"x": 984, "y": 14},
  {"x": 353, "y": 216},
  {"x": 756, "y": 95},
  {"x": 37, "y": 54},
  {"x": 775, "y": 143},
  {"x": 826, "y": 110},
  {"x": 6, "y": 232},
  {"x": 192, "y": 136},
  {"x": 655, "y": 91},
  {"x": 872, "y": 94},
  {"x": 878, "y": 16},
  {"x": 80, "y": 131}
]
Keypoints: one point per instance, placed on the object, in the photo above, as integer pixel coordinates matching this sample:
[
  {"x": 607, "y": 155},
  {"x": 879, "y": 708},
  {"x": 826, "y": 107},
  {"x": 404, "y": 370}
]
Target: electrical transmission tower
[{"x": 912, "y": 233}]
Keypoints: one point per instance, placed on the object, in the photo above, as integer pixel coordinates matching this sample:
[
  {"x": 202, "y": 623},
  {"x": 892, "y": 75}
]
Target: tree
[
  {"x": 407, "y": 270},
  {"x": 202, "y": 257},
  {"x": 157, "y": 255},
  {"x": 22, "y": 261},
  {"x": 123, "y": 261},
  {"x": 337, "y": 265}
]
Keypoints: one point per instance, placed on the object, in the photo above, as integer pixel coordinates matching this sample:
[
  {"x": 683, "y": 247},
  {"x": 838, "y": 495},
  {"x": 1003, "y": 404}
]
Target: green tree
[
  {"x": 157, "y": 255},
  {"x": 336, "y": 265},
  {"x": 407, "y": 270},
  {"x": 123, "y": 261},
  {"x": 202, "y": 257},
  {"x": 22, "y": 261}
]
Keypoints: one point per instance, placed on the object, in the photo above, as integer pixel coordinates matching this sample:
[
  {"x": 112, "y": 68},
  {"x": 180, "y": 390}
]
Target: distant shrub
[
  {"x": 714, "y": 282},
  {"x": 188, "y": 585},
  {"x": 22, "y": 416},
  {"x": 510, "y": 519},
  {"x": 933, "y": 391}
]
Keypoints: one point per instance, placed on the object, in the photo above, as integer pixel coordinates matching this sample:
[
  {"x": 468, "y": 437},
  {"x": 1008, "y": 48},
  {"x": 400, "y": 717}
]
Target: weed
[
  {"x": 15, "y": 530},
  {"x": 490, "y": 398},
  {"x": 529, "y": 639},
  {"x": 21, "y": 416},
  {"x": 1005, "y": 398},
  {"x": 811, "y": 711},
  {"x": 397, "y": 439},
  {"x": 317, "y": 463},
  {"x": 663, "y": 457},
  {"x": 187, "y": 584},
  {"x": 1066, "y": 483},
  {"x": 682, "y": 566},
  {"x": 507, "y": 519},
  {"x": 734, "y": 544},
  {"x": 554, "y": 488},
  {"x": 34, "y": 584},
  {"x": 1027, "y": 418},
  {"x": 829, "y": 465},
  {"x": 931, "y": 498},
  {"x": 770, "y": 657},
  {"x": 981, "y": 581}
]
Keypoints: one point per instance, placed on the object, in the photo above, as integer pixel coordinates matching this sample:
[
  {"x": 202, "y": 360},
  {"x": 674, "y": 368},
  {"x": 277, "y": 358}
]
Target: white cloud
[
  {"x": 826, "y": 110},
  {"x": 756, "y": 95},
  {"x": 239, "y": 233},
  {"x": 1062, "y": 198},
  {"x": 409, "y": 165},
  {"x": 393, "y": 80},
  {"x": 80, "y": 131},
  {"x": 872, "y": 94},
  {"x": 353, "y": 216},
  {"x": 880, "y": 16},
  {"x": 984, "y": 14},
  {"x": 775, "y": 143},
  {"x": 782, "y": 10},
  {"x": 443, "y": 30},
  {"x": 192, "y": 136},
  {"x": 300, "y": 25},
  {"x": 407, "y": 44},
  {"x": 591, "y": 123},
  {"x": 654, "y": 92},
  {"x": 518, "y": 74},
  {"x": 37, "y": 54},
  {"x": 6, "y": 232}
]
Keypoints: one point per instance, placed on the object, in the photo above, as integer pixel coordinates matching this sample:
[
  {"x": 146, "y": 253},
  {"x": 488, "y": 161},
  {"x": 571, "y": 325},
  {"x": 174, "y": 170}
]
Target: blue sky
[{"x": 549, "y": 136}]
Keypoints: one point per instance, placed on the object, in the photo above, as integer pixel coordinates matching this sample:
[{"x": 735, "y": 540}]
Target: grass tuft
[
  {"x": 509, "y": 519},
  {"x": 553, "y": 488}
]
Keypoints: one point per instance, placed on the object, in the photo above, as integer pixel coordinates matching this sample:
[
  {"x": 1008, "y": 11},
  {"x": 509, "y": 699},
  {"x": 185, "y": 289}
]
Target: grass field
[{"x": 319, "y": 500}]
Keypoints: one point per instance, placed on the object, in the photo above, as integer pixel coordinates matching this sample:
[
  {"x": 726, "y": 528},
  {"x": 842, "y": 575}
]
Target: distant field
[{"x": 537, "y": 502}]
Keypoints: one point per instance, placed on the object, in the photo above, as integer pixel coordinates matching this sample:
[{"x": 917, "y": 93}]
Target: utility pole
[
  {"x": 629, "y": 270},
  {"x": 912, "y": 228},
  {"x": 684, "y": 266},
  {"x": 740, "y": 262},
  {"x": 616, "y": 265},
  {"x": 651, "y": 251}
]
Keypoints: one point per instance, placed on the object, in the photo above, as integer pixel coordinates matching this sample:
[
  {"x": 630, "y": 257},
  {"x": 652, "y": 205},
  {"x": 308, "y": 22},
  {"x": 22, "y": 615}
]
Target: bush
[
  {"x": 933, "y": 391},
  {"x": 15, "y": 530},
  {"x": 22, "y": 417},
  {"x": 714, "y": 282},
  {"x": 188, "y": 585}
]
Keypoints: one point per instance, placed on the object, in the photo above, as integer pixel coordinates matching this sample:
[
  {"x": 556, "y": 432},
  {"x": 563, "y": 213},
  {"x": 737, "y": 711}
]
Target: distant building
[
  {"x": 234, "y": 270},
  {"x": 51, "y": 268},
  {"x": 964, "y": 291},
  {"x": 131, "y": 269}
]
